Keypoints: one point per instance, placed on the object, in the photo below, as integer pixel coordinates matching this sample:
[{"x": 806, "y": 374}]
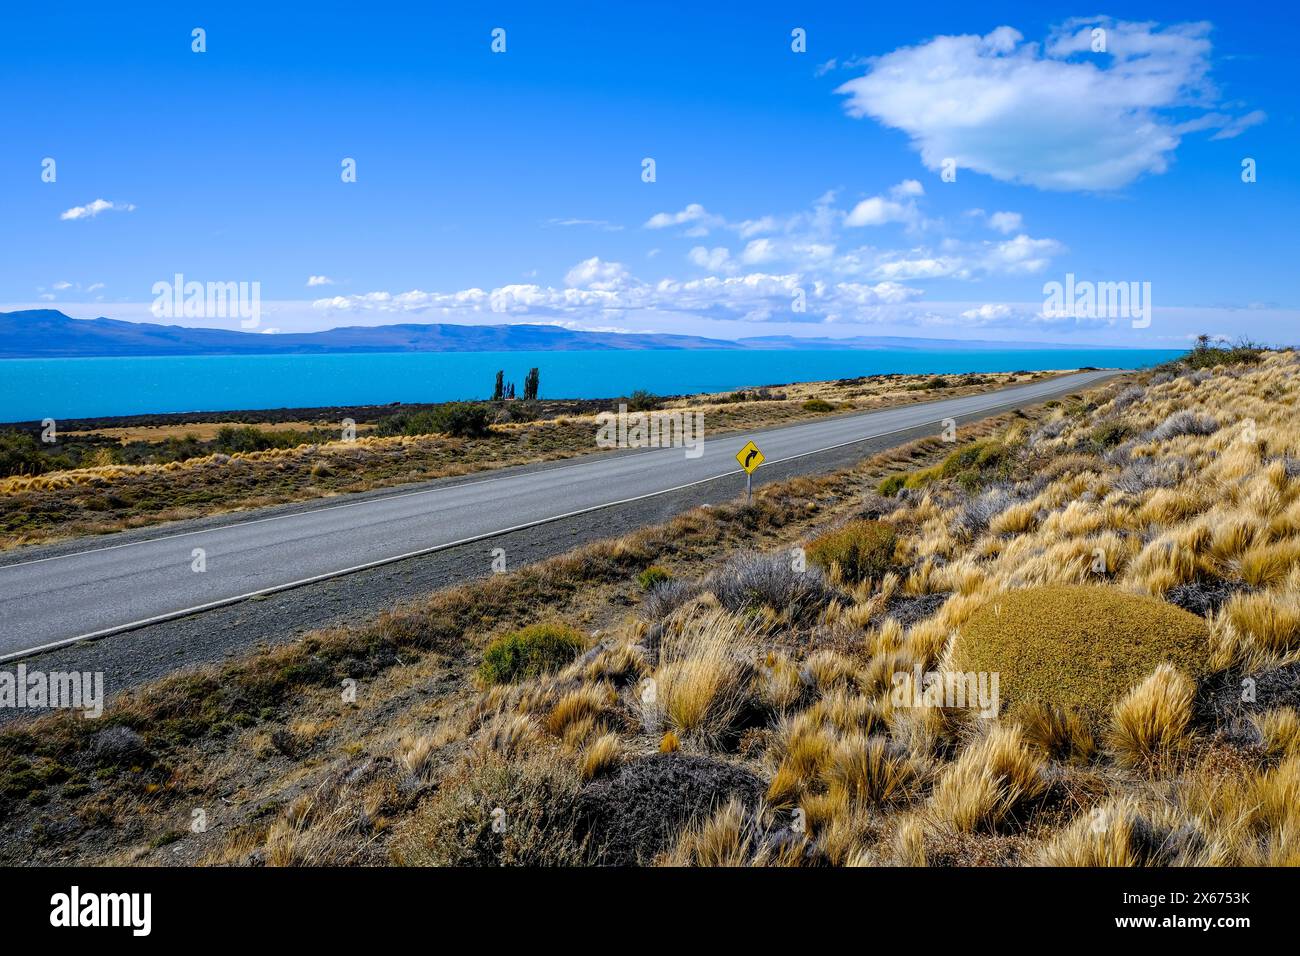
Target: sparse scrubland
[
  {"x": 103, "y": 479},
  {"x": 1127, "y": 561}
]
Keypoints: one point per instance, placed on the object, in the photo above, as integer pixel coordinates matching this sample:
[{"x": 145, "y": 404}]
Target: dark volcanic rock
[
  {"x": 641, "y": 809},
  {"x": 907, "y": 610},
  {"x": 1204, "y": 597}
]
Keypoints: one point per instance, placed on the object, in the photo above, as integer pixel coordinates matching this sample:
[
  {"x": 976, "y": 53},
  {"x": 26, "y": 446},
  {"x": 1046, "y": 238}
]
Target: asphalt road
[{"x": 99, "y": 587}]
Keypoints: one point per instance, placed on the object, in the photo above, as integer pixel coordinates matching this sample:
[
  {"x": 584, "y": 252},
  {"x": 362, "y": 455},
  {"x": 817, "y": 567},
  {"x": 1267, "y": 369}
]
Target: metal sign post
[{"x": 750, "y": 458}]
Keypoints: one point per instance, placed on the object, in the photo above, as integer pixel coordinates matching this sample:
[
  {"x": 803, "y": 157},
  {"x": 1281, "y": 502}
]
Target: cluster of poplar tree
[{"x": 503, "y": 389}]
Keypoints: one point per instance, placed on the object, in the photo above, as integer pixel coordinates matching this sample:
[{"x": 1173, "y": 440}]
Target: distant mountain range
[{"x": 48, "y": 333}]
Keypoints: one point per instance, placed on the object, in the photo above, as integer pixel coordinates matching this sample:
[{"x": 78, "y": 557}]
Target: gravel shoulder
[{"x": 136, "y": 657}]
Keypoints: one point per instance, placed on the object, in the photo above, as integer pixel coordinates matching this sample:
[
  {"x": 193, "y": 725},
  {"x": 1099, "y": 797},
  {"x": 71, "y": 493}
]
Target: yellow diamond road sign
[{"x": 749, "y": 457}]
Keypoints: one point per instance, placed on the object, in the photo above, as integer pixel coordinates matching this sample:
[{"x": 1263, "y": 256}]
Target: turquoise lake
[{"x": 33, "y": 389}]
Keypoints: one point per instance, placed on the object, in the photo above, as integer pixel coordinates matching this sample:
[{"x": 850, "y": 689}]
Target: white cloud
[
  {"x": 806, "y": 242},
  {"x": 94, "y": 287},
  {"x": 594, "y": 273},
  {"x": 92, "y": 209},
  {"x": 319, "y": 280},
  {"x": 754, "y": 227},
  {"x": 597, "y": 290},
  {"x": 1021, "y": 255},
  {"x": 694, "y": 215},
  {"x": 602, "y": 224},
  {"x": 988, "y": 312},
  {"x": 1235, "y": 127},
  {"x": 875, "y": 211},
  {"x": 60, "y": 286},
  {"x": 1056, "y": 116},
  {"x": 717, "y": 259},
  {"x": 1006, "y": 222},
  {"x": 919, "y": 264},
  {"x": 758, "y": 251},
  {"x": 702, "y": 222},
  {"x": 798, "y": 253}
]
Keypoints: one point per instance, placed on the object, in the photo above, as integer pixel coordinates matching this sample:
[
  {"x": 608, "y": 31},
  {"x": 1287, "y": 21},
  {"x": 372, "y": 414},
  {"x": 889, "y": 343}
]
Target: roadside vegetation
[
  {"x": 1140, "y": 602},
  {"x": 112, "y": 476}
]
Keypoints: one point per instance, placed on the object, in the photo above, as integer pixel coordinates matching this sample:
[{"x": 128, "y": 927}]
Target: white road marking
[{"x": 212, "y": 605}]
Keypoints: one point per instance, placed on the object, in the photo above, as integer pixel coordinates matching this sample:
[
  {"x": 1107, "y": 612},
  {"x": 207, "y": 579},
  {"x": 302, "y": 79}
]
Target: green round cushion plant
[{"x": 1075, "y": 647}]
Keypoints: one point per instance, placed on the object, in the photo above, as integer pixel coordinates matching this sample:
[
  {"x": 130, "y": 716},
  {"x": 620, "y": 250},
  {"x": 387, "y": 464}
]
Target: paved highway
[{"x": 108, "y": 588}]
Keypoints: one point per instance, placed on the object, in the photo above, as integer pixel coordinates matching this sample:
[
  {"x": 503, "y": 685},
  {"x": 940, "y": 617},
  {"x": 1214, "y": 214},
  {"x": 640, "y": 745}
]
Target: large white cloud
[{"x": 1058, "y": 116}]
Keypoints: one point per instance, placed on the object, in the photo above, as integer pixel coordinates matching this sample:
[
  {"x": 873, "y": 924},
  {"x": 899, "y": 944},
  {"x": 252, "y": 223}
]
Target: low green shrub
[
  {"x": 20, "y": 454},
  {"x": 862, "y": 549},
  {"x": 892, "y": 485},
  {"x": 460, "y": 420},
  {"x": 643, "y": 401},
  {"x": 931, "y": 383},
  {"x": 1208, "y": 355},
  {"x": 971, "y": 467},
  {"x": 818, "y": 405},
  {"x": 1108, "y": 435},
  {"x": 653, "y": 575},
  {"x": 232, "y": 439},
  {"x": 535, "y": 650}
]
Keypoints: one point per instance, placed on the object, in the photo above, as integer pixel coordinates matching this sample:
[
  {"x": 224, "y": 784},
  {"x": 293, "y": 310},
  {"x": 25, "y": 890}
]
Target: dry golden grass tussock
[
  {"x": 1125, "y": 833},
  {"x": 417, "y": 755},
  {"x": 1161, "y": 565},
  {"x": 581, "y": 711},
  {"x": 1019, "y": 518},
  {"x": 620, "y": 664},
  {"x": 908, "y": 845},
  {"x": 780, "y": 683},
  {"x": 602, "y": 757},
  {"x": 845, "y": 838},
  {"x": 990, "y": 782},
  {"x": 727, "y": 838},
  {"x": 871, "y": 770},
  {"x": 829, "y": 670},
  {"x": 927, "y": 731},
  {"x": 1060, "y": 733},
  {"x": 848, "y": 712},
  {"x": 1279, "y": 731},
  {"x": 1256, "y": 818},
  {"x": 1258, "y": 630},
  {"x": 1150, "y": 727},
  {"x": 803, "y": 748},
  {"x": 330, "y": 826},
  {"x": 1169, "y": 505},
  {"x": 703, "y": 680},
  {"x": 1264, "y": 566},
  {"x": 508, "y": 735}
]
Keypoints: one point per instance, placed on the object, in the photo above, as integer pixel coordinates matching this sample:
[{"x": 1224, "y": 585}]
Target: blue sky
[{"x": 508, "y": 187}]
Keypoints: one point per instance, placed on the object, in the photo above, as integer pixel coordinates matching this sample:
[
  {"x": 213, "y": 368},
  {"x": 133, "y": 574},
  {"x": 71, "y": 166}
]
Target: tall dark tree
[
  {"x": 530, "y": 385},
  {"x": 499, "y": 392}
]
